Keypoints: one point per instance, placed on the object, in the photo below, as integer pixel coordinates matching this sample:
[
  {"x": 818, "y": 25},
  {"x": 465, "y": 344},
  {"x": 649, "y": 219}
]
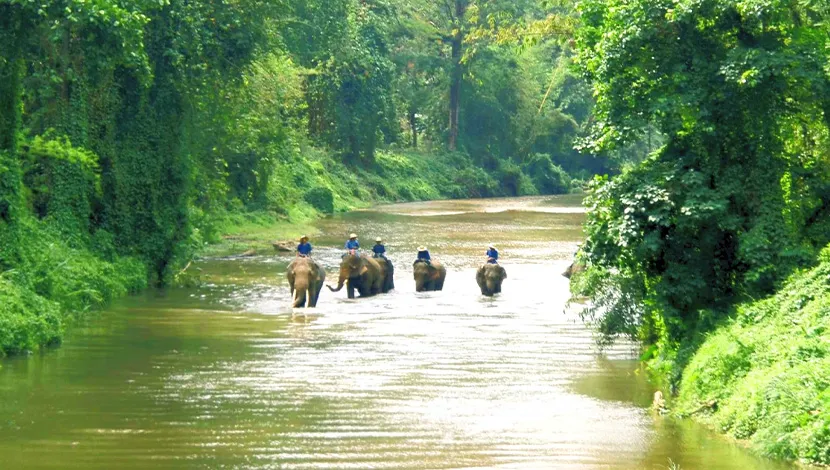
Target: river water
[{"x": 224, "y": 376}]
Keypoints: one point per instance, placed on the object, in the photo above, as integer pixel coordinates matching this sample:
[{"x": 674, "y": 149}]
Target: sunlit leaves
[{"x": 724, "y": 81}]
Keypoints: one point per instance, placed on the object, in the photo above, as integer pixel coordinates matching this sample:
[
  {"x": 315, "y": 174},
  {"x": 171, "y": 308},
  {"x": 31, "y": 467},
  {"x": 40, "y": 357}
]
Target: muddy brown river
[{"x": 225, "y": 377}]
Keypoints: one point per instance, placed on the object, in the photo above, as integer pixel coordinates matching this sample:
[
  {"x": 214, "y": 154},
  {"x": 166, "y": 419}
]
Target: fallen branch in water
[
  {"x": 709, "y": 405},
  {"x": 185, "y": 268}
]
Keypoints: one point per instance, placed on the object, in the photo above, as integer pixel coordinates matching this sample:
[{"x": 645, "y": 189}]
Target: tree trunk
[
  {"x": 412, "y": 125},
  {"x": 457, "y": 73},
  {"x": 10, "y": 77},
  {"x": 455, "y": 91},
  {"x": 11, "y": 72}
]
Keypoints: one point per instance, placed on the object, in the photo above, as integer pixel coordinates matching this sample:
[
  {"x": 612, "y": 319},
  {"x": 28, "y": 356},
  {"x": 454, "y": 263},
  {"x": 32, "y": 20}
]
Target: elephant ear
[{"x": 363, "y": 270}]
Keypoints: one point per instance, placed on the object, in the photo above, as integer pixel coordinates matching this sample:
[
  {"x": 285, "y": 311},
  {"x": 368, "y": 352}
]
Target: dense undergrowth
[
  {"x": 765, "y": 377},
  {"x": 55, "y": 281},
  {"x": 732, "y": 206}
]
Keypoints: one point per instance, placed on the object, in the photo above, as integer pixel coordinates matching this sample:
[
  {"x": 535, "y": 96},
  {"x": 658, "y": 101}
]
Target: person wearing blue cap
[
  {"x": 304, "y": 248},
  {"x": 492, "y": 254},
  {"x": 379, "y": 251}
]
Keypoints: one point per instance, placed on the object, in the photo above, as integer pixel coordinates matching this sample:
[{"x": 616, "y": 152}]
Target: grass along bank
[
  {"x": 57, "y": 279},
  {"x": 765, "y": 377}
]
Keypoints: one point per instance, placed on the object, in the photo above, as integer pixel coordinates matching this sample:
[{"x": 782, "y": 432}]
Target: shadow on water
[{"x": 224, "y": 376}]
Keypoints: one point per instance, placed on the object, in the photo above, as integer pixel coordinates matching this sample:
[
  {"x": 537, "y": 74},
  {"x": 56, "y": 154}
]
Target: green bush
[
  {"x": 768, "y": 371},
  {"x": 27, "y": 320},
  {"x": 55, "y": 280},
  {"x": 62, "y": 183},
  {"x": 510, "y": 176},
  {"x": 546, "y": 176},
  {"x": 473, "y": 182},
  {"x": 321, "y": 198}
]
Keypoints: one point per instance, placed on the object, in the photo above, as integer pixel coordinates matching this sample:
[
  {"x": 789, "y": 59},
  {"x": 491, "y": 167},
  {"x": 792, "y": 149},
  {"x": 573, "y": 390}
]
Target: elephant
[
  {"x": 305, "y": 278},
  {"x": 429, "y": 277},
  {"x": 489, "y": 277},
  {"x": 369, "y": 276},
  {"x": 575, "y": 268}
]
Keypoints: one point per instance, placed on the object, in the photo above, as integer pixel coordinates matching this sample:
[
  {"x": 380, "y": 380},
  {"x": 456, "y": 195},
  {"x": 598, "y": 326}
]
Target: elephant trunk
[
  {"x": 491, "y": 285},
  {"x": 340, "y": 283},
  {"x": 300, "y": 294}
]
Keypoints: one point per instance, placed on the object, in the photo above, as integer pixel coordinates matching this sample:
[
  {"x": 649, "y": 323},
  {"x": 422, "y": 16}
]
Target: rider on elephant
[
  {"x": 492, "y": 254},
  {"x": 379, "y": 251},
  {"x": 352, "y": 245},
  {"x": 304, "y": 248},
  {"x": 423, "y": 255}
]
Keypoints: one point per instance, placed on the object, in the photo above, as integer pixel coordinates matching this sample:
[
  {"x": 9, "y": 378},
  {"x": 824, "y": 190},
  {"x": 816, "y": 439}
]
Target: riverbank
[
  {"x": 57, "y": 279},
  {"x": 765, "y": 376},
  {"x": 318, "y": 184}
]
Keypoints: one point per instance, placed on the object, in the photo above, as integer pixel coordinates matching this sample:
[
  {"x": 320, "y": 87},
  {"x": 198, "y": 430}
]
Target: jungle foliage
[
  {"x": 737, "y": 196},
  {"x": 765, "y": 376},
  {"x": 131, "y": 130},
  {"x": 734, "y": 200}
]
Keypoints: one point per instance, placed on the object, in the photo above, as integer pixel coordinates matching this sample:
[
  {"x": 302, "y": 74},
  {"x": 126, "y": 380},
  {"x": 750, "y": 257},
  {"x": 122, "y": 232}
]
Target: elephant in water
[
  {"x": 305, "y": 278},
  {"x": 429, "y": 277},
  {"x": 575, "y": 268},
  {"x": 489, "y": 278},
  {"x": 369, "y": 276}
]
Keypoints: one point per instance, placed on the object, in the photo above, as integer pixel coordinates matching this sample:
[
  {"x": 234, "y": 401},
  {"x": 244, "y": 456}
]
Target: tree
[
  {"x": 705, "y": 219},
  {"x": 114, "y": 34}
]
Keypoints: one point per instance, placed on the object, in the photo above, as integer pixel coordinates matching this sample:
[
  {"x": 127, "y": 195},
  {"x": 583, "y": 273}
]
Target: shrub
[
  {"x": 62, "y": 181},
  {"x": 510, "y": 176},
  {"x": 769, "y": 371},
  {"x": 473, "y": 182},
  {"x": 27, "y": 320},
  {"x": 55, "y": 279},
  {"x": 321, "y": 198},
  {"x": 546, "y": 176}
]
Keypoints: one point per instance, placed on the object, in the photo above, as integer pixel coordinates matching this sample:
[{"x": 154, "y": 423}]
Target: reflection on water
[{"x": 225, "y": 377}]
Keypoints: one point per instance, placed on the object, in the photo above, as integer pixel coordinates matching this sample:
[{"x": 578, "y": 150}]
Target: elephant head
[
  {"x": 351, "y": 268},
  {"x": 305, "y": 278},
  {"x": 428, "y": 277},
  {"x": 490, "y": 277},
  {"x": 422, "y": 275}
]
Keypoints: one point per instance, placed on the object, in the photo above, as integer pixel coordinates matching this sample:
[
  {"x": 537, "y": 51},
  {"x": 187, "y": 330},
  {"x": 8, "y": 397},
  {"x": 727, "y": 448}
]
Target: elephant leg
[
  {"x": 350, "y": 290},
  {"x": 316, "y": 296},
  {"x": 390, "y": 276}
]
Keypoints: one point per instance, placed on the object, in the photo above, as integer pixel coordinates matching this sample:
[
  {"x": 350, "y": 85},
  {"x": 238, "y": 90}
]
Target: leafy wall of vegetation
[
  {"x": 131, "y": 130},
  {"x": 736, "y": 199},
  {"x": 765, "y": 375}
]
